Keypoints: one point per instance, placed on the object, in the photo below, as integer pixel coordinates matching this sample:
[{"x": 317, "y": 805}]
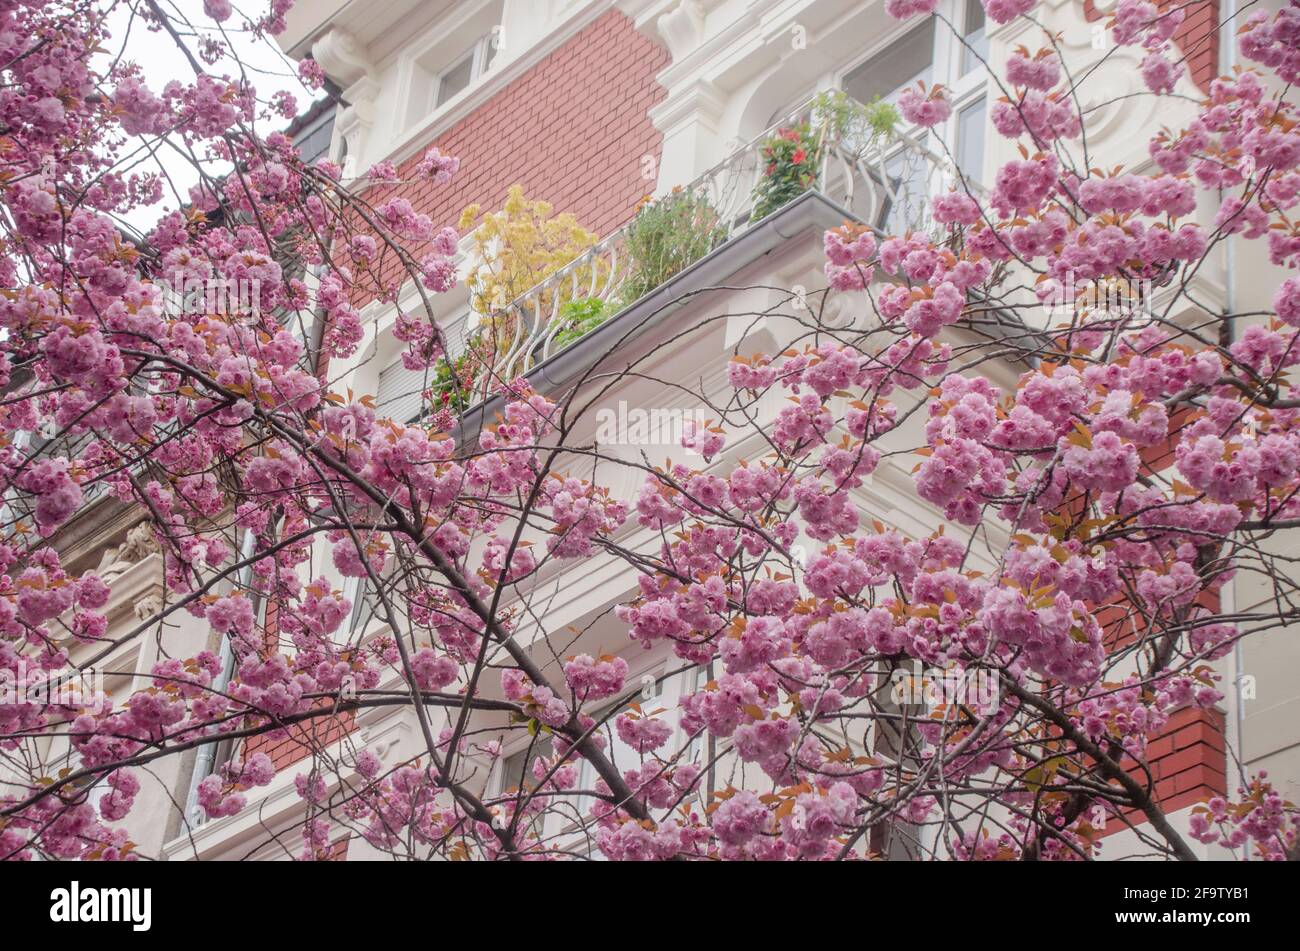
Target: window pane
[
  {"x": 906, "y": 197},
  {"x": 622, "y": 756},
  {"x": 970, "y": 141},
  {"x": 516, "y": 770},
  {"x": 316, "y": 144},
  {"x": 902, "y": 64},
  {"x": 973, "y": 32},
  {"x": 365, "y": 601},
  {"x": 456, "y": 79}
]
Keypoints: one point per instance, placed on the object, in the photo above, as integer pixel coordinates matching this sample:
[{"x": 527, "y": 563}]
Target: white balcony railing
[{"x": 883, "y": 176}]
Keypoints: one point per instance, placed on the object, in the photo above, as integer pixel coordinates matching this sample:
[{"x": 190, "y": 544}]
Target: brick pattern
[
  {"x": 292, "y": 745},
  {"x": 1160, "y": 456},
  {"x": 1197, "y": 36},
  {"x": 289, "y": 746},
  {"x": 574, "y": 130},
  {"x": 1187, "y": 764},
  {"x": 1118, "y": 621}
]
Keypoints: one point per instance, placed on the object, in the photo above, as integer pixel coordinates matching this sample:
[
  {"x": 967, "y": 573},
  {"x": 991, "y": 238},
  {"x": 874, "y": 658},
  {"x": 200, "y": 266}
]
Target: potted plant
[
  {"x": 791, "y": 158},
  {"x": 667, "y": 236},
  {"x": 579, "y": 317},
  {"x": 452, "y": 384}
]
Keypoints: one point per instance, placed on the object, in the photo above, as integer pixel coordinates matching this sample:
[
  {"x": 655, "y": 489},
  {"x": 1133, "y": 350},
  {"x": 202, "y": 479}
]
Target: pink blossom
[
  {"x": 905, "y": 9},
  {"x": 923, "y": 109},
  {"x": 310, "y": 72},
  {"x": 1004, "y": 11},
  {"x": 1159, "y": 73},
  {"x": 218, "y": 10}
]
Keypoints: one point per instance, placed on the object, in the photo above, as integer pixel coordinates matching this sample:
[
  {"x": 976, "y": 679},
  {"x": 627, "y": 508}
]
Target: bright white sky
[{"x": 262, "y": 61}]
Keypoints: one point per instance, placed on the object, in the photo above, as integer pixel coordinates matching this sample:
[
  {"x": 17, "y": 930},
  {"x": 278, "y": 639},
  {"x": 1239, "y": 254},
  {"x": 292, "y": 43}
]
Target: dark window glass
[
  {"x": 517, "y": 771},
  {"x": 905, "y": 61},
  {"x": 970, "y": 141},
  {"x": 973, "y": 32},
  {"x": 456, "y": 79}
]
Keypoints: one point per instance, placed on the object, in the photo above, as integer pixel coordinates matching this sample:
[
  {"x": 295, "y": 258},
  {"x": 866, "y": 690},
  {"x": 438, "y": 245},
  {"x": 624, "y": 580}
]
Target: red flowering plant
[{"x": 791, "y": 160}]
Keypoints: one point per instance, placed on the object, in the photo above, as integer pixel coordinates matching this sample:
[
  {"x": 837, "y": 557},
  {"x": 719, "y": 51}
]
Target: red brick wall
[
  {"x": 1197, "y": 36},
  {"x": 296, "y": 743},
  {"x": 289, "y": 746},
  {"x": 573, "y": 131},
  {"x": 286, "y": 747},
  {"x": 1187, "y": 761},
  {"x": 1187, "y": 764}
]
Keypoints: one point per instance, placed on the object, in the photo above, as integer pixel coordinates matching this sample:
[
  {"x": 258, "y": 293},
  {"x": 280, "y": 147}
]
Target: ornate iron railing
[{"x": 885, "y": 179}]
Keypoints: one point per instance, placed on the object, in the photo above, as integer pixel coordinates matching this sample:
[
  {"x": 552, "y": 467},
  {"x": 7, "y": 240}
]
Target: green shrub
[
  {"x": 579, "y": 317},
  {"x": 851, "y": 123},
  {"x": 790, "y": 168},
  {"x": 666, "y": 237},
  {"x": 452, "y": 392}
]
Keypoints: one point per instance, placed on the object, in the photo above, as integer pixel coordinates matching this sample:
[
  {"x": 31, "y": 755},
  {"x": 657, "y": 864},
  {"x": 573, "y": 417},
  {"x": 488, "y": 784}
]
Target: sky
[{"x": 266, "y": 66}]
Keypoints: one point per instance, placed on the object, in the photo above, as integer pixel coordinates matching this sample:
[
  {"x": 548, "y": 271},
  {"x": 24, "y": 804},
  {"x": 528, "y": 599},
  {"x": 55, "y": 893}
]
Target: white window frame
[
  {"x": 480, "y": 56},
  {"x": 472, "y": 31},
  {"x": 556, "y": 827},
  {"x": 963, "y": 91}
]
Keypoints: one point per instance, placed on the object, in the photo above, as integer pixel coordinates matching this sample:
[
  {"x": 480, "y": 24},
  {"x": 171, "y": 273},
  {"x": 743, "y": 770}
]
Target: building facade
[{"x": 595, "y": 106}]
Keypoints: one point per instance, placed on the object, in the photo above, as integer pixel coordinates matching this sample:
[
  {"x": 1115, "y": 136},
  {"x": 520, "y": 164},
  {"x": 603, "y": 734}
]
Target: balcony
[{"x": 853, "y": 157}]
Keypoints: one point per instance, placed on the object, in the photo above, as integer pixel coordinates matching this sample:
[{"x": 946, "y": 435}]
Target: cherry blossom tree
[{"x": 1142, "y": 459}]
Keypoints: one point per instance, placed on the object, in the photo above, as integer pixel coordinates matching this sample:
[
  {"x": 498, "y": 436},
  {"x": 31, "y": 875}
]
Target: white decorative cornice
[
  {"x": 700, "y": 101},
  {"x": 354, "y": 122},
  {"x": 682, "y": 28},
  {"x": 344, "y": 59},
  {"x": 713, "y": 51},
  {"x": 347, "y": 62}
]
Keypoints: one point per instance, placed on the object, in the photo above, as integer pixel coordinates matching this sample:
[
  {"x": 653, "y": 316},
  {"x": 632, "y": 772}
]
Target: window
[
  {"x": 901, "y": 64},
  {"x": 907, "y": 200},
  {"x": 365, "y": 605},
  {"x": 977, "y": 41},
  {"x": 450, "y": 59},
  {"x": 623, "y": 757},
  {"x": 904, "y": 177},
  {"x": 969, "y": 153},
  {"x": 661, "y": 702},
  {"x": 456, "y": 78},
  {"x": 517, "y": 768}
]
